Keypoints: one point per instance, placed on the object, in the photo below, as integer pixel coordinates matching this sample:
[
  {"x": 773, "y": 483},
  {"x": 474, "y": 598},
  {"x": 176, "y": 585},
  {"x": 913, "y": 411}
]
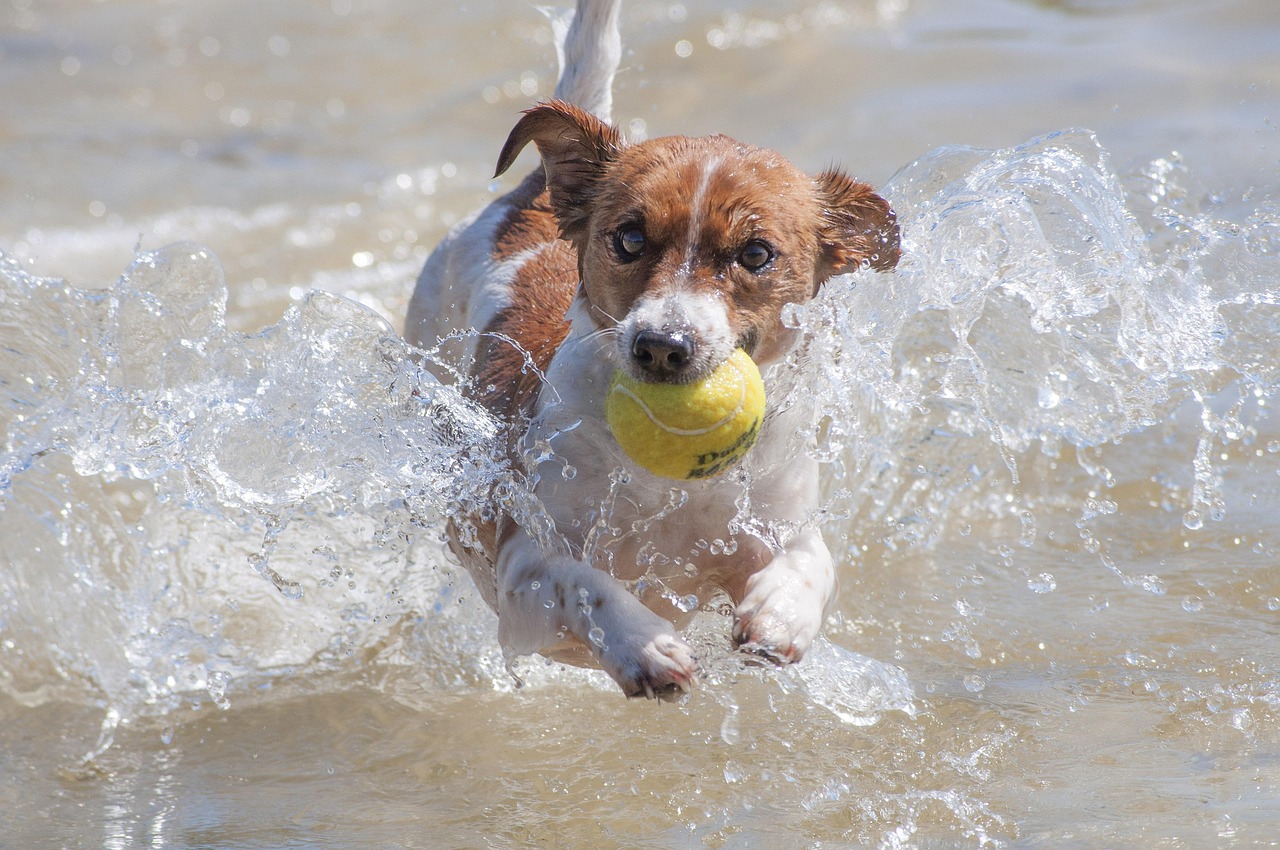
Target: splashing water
[
  {"x": 186, "y": 508},
  {"x": 1033, "y": 323},
  {"x": 150, "y": 453}
]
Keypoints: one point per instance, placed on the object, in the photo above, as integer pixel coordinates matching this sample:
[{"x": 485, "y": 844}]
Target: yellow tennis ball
[{"x": 695, "y": 430}]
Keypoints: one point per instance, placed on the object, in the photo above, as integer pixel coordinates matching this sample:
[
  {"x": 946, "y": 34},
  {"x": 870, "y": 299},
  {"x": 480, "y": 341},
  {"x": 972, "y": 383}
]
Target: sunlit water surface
[{"x": 1049, "y": 440}]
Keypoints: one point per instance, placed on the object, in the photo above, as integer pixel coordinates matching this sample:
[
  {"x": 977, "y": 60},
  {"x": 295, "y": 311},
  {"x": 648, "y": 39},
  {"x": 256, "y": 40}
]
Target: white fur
[
  {"x": 785, "y": 602},
  {"x": 675, "y": 308},
  {"x": 632, "y": 550},
  {"x": 460, "y": 283},
  {"x": 589, "y": 54},
  {"x": 697, "y": 208}
]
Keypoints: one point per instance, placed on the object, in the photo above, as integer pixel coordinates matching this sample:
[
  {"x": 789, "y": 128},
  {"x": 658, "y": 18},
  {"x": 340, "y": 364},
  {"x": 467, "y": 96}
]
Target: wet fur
[{"x": 540, "y": 271}]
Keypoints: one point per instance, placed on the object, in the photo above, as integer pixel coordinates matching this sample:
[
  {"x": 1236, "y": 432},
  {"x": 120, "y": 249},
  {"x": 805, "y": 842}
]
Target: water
[{"x": 1049, "y": 439}]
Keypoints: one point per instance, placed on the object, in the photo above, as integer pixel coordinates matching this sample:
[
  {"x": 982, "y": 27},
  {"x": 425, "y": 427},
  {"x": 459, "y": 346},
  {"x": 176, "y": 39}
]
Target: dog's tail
[{"x": 589, "y": 49}]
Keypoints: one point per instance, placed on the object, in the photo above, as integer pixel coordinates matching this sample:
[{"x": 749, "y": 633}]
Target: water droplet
[
  {"x": 596, "y": 636},
  {"x": 687, "y": 603},
  {"x": 217, "y": 685},
  {"x": 1028, "y": 536},
  {"x": 1192, "y": 604},
  {"x": 1153, "y": 584},
  {"x": 1193, "y": 520},
  {"x": 974, "y": 684},
  {"x": 1048, "y": 398},
  {"x": 730, "y": 733},
  {"x": 1043, "y": 583}
]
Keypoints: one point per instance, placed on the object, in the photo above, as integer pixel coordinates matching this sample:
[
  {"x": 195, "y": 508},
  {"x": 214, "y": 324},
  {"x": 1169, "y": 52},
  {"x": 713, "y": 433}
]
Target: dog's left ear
[
  {"x": 575, "y": 147},
  {"x": 858, "y": 228}
]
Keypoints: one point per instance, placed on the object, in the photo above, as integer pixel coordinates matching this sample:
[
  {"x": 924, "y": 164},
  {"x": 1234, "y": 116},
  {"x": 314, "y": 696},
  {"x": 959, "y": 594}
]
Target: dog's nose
[{"x": 663, "y": 354}]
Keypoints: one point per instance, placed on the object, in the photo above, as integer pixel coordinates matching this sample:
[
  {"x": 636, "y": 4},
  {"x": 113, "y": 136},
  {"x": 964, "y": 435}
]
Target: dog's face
[{"x": 691, "y": 247}]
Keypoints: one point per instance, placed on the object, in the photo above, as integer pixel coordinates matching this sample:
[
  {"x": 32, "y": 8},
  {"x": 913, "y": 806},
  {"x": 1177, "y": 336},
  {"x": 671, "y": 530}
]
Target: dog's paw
[
  {"x": 779, "y": 617},
  {"x": 662, "y": 667}
]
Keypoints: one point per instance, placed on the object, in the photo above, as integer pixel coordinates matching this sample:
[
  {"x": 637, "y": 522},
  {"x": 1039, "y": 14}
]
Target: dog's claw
[
  {"x": 670, "y": 692},
  {"x": 773, "y": 640},
  {"x": 772, "y": 624},
  {"x": 769, "y": 653},
  {"x": 663, "y": 669}
]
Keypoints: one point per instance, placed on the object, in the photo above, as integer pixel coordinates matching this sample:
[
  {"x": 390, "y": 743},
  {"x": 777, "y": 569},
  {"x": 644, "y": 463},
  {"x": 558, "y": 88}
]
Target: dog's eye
[
  {"x": 629, "y": 242},
  {"x": 755, "y": 255}
]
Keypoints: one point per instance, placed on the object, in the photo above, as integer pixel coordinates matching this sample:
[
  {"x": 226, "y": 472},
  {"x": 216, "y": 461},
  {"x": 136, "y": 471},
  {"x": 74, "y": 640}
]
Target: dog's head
[{"x": 691, "y": 247}]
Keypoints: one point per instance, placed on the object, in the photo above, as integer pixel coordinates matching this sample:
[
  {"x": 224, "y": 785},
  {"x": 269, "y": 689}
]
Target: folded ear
[
  {"x": 575, "y": 147},
  {"x": 858, "y": 228}
]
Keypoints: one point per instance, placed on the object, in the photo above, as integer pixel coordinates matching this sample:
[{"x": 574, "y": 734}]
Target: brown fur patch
[
  {"x": 529, "y": 222},
  {"x": 530, "y": 331},
  {"x": 699, "y": 202}
]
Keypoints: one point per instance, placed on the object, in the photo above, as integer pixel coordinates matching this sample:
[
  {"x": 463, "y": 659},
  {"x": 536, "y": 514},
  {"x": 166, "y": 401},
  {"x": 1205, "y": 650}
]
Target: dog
[{"x": 658, "y": 258}]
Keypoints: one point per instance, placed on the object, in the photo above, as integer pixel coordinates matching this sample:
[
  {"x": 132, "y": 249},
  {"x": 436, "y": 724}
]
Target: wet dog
[{"x": 659, "y": 258}]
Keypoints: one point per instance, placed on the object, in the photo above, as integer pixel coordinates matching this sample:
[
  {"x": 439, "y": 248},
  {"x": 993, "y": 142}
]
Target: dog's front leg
[
  {"x": 785, "y": 603},
  {"x": 544, "y": 599},
  {"x": 781, "y": 606}
]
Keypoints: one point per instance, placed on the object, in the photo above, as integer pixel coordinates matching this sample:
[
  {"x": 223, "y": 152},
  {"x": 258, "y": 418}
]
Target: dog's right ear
[{"x": 575, "y": 146}]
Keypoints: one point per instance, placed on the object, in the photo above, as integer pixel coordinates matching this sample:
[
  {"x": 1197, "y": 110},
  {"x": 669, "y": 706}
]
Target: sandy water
[{"x": 1049, "y": 440}]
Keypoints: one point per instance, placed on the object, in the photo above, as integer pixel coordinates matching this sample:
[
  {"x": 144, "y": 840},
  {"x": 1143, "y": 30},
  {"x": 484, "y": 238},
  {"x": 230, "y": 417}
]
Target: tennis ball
[{"x": 684, "y": 431}]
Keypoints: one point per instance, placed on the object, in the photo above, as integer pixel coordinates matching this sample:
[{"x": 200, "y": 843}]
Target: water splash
[
  {"x": 185, "y": 508},
  {"x": 853, "y": 687},
  {"x": 1035, "y": 321},
  {"x": 145, "y": 443},
  {"x": 143, "y": 380}
]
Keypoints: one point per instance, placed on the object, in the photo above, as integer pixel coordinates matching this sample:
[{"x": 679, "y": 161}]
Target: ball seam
[{"x": 691, "y": 432}]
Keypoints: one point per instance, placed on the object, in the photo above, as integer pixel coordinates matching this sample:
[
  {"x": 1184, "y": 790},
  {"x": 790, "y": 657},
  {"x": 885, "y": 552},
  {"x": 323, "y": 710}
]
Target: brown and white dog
[{"x": 659, "y": 258}]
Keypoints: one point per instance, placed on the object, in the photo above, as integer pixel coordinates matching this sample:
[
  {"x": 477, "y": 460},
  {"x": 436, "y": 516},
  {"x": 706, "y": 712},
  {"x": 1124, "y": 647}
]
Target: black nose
[{"x": 663, "y": 354}]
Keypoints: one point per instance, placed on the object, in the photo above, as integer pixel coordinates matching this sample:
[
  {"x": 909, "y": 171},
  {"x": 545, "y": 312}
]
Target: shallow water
[{"x": 1049, "y": 440}]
